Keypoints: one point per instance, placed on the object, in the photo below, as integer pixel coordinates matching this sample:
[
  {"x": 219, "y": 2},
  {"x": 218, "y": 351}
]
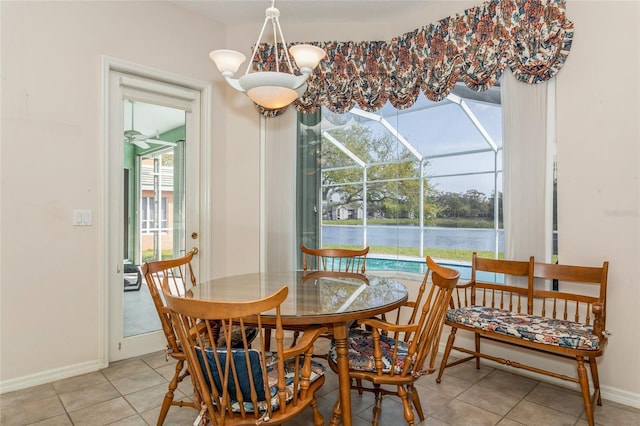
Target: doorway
[
  {"x": 153, "y": 199},
  {"x": 153, "y": 203}
]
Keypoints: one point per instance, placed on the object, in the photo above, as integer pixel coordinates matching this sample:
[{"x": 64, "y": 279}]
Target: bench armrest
[{"x": 598, "y": 319}]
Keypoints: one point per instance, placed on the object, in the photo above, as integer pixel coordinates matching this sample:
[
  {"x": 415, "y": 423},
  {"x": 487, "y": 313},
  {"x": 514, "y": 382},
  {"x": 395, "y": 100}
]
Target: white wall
[
  {"x": 598, "y": 161},
  {"x": 51, "y": 161}
]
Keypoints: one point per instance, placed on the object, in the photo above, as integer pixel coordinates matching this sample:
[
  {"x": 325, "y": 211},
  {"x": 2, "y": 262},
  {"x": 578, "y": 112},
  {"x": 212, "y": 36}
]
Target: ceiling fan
[{"x": 140, "y": 140}]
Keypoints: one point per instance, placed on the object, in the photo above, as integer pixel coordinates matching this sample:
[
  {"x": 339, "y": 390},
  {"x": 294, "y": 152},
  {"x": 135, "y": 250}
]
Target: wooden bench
[{"x": 514, "y": 302}]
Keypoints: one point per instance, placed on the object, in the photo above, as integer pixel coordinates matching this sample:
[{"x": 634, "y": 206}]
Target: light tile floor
[{"x": 129, "y": 393}]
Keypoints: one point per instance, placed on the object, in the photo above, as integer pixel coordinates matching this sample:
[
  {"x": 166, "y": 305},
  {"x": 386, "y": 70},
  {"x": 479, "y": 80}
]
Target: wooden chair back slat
[{"x": 334, "y": 260}]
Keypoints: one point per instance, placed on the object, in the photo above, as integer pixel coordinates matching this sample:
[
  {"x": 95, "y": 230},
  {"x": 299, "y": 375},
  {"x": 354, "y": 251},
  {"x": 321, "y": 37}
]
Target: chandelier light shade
[{"x": 270, "y": 89}]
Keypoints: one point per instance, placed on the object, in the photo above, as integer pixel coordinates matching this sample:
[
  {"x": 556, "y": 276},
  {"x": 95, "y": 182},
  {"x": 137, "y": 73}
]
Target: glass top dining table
[{"x": 331, "y": 299}]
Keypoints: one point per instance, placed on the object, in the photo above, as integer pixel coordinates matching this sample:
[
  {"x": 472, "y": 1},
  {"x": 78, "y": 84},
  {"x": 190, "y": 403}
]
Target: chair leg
[
  {"x": 445, "y": 355},
  {"x": 296, "y": 334},
  {"x": 267, "y": 339},
  {"x": 318, "y": 420},
  {"x": 584, "y": 387},
  {"x": 415, "y": 398},
  {"x": 377, "y": 407},
  {"x": 477, "y": 339},
  {"x": 596, "y": 379},
  {"x": 168, "y": 397},
  {"x": 336, "y": 418},
  {"x": 408, "y": 409}
]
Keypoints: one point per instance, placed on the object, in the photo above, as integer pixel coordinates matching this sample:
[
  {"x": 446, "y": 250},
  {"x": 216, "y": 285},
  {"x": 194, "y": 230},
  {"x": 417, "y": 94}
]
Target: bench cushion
[{"x": 548, "y": 331}]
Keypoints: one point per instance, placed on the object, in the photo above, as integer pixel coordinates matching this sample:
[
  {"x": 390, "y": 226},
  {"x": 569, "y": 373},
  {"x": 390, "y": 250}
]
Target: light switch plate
[{"x": 82, "y": 217}]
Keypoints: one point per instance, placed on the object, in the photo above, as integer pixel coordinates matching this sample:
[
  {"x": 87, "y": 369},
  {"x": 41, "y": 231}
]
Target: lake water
[{"x": 409, "y": 236}]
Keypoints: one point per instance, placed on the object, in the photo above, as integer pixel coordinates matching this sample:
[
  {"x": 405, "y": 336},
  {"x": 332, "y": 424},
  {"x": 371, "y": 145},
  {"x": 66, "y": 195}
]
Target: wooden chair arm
[
  {"x": 386, "y": 327},
  {"x": 304, "y": 346},
  {"x": 382, "y": 328},
  {"x": 305, "y": 341}
]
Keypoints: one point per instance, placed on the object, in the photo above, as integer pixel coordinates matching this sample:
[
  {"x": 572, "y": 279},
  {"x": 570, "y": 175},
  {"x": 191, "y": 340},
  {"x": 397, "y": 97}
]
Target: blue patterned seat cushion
[
  {"x": 548, "y": 331},
  {"x": 360, "y": 345},
  {"x": 317, "y": 371}
]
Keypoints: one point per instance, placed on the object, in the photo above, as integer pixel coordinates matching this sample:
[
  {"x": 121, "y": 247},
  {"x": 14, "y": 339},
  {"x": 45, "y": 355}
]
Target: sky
[{"x": 445, "y": 128}]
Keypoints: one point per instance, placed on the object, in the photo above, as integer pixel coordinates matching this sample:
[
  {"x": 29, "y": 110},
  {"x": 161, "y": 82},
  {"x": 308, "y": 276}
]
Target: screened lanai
[{"x": 409, "y": 182}]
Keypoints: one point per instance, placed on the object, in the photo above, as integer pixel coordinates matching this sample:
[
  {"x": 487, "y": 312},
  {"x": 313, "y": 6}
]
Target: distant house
[
  {"x": 348, "y": 211},
  {"x": 156, "y": 206}
]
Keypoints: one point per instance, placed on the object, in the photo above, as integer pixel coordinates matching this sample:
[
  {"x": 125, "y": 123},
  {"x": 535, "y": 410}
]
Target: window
[
  {"x": 407, "y": 183},
  {"x": 148, "y": 215}
]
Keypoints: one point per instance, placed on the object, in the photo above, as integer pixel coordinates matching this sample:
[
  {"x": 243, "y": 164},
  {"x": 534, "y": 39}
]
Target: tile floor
[{"x": 130, "y": 392}]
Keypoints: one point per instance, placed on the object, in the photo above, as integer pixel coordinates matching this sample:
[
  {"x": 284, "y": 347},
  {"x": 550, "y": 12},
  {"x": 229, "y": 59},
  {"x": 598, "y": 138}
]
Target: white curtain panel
[
  {"x": 278, "y": 204},
  {"x": 529, "y": 141}
]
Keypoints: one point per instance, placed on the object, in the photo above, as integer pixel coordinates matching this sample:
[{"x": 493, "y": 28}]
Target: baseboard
[
  {"x": 620, "y": 396},
  {"x": 49, "y": 376},
  {"x": 608, "y": 393}
]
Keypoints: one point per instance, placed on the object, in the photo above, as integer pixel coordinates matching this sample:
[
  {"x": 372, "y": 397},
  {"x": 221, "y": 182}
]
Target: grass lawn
[{"x": 451, "y": 254}]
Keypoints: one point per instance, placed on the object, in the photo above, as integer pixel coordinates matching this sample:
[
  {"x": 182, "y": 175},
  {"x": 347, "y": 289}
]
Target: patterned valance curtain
[{"x": 531, "y": 37}]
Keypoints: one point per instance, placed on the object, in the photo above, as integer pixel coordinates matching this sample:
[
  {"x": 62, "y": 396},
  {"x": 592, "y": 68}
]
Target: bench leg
[
  {"x": 447, "y": 351},
  {"x": 477, "y": 339},
  {"x": 596, "y": 380},
  {"x": 584, "y": 386}
]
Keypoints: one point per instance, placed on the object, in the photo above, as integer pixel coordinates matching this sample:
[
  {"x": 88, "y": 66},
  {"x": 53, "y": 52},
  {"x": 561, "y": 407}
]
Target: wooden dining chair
[
  {"x": 333, "y": 259},
  {"x": 180, "y": 277},
  {"x": 246, "y": 385},
  {"x": 393, "y": 356}
]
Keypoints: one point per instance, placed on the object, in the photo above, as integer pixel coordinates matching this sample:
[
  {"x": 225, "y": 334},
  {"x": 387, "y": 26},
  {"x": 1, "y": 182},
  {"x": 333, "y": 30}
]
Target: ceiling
[
  {"x": 232, "y": 12},
  {"x": 149, "y": 119}
]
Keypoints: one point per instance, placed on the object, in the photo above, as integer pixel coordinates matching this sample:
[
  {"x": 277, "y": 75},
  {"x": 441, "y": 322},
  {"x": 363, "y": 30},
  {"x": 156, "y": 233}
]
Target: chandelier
[{"x": 270, "y": 89}]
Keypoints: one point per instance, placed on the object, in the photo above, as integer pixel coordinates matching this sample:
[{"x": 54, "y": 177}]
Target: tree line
[{"x": 392, "y": 175}]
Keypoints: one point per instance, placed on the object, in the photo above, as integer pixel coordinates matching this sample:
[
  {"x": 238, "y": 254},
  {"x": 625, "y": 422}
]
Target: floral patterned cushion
[
  {"x": 533, "y": 328},
  {"x": 360, "y": 345},
  {"x": 317, "y": 371}
]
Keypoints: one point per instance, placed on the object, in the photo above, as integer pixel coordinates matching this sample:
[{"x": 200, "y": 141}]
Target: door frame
[{"x": 110, "y": 64}]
